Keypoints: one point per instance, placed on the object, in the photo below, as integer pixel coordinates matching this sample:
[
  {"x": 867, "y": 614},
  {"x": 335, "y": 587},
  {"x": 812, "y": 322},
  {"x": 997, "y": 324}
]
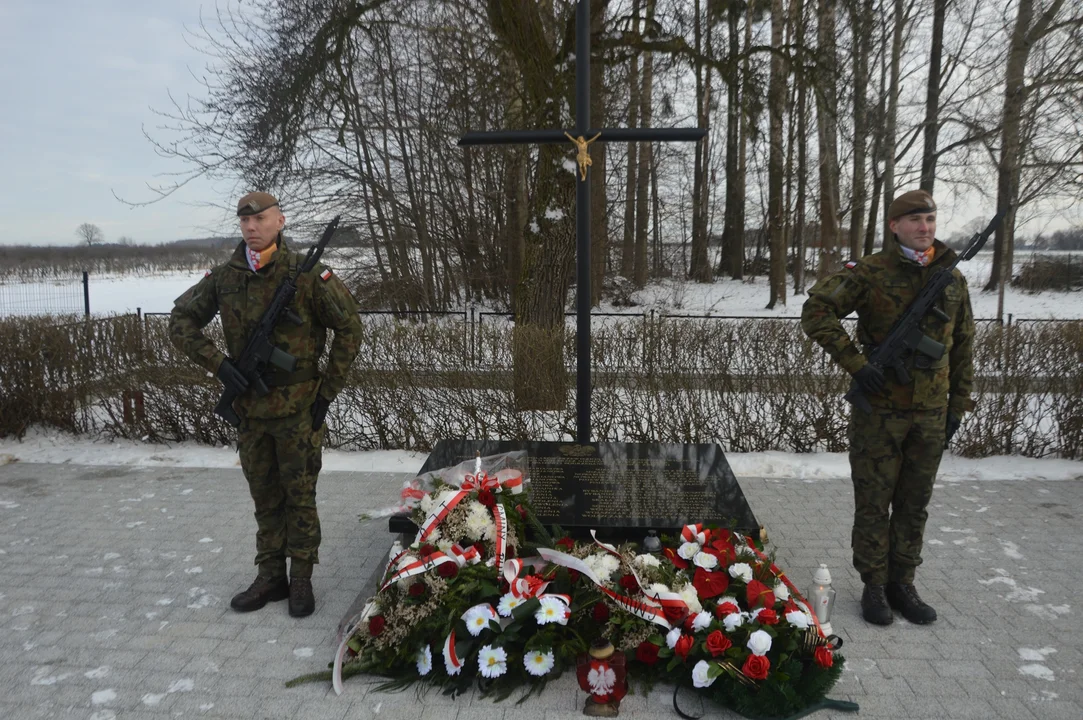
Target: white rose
[
  {"x": 688, "y": 550},
  {"x": 706, "y": 561},
  {"x": 733, "y": 621},
  {"x": 701, "y": 622},
  {"x": 672, "y": 637},
  {"x": 759, "y": 642},
  {"x": 741, "y": 571},
  {"x": 691, "y": 598},
  {"x": 700, "y": 676},
  {"x": 797, "y": 619},
  {"x": 782, "y": 592}
]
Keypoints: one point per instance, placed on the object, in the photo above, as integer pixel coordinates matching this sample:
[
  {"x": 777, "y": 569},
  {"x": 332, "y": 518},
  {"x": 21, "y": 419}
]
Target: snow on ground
[
  {"x": 155, "y": 294},
  {"x": 48, "y": 446}
]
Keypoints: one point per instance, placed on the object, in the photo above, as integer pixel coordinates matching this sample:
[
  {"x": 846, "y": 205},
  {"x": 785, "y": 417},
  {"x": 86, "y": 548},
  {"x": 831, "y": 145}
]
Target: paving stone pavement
[{"x": 115, "y": 586}]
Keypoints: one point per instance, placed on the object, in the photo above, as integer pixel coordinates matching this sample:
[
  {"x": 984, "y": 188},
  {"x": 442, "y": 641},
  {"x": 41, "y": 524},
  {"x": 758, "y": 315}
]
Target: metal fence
[{"x": 61, "y": 296}]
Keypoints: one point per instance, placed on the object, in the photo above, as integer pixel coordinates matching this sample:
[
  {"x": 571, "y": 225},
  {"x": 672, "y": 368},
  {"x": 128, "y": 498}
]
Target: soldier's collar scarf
[
  {"x": 921, "y": 257},
  {"x": 257, "y": 260}
]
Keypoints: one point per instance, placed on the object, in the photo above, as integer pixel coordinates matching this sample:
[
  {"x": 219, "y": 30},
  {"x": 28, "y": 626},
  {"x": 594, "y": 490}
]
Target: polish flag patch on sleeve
[
  {"x": 326, "y": 274},
  {"x": 851, "y": 265}
]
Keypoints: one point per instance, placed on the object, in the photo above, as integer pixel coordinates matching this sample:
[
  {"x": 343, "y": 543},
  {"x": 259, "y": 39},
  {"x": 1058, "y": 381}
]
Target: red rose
[
  {"x": 573, "y": 575},
  {"x": 717, "y": 643},
  {"x": 448, "y": 570},
  {"x": 757, "y": 593},
  {"x": 521, "y": 510},
  {"x": 427, "y": 549},
  {"x": 647, "y": 653},
  {"x": 710, "y": 584},
  {"x": 683, "y": 646},
  {"x": 566, "y": 542},
  {"x": 767, "y": 617},
  {"x": 480, "y": 547},
  {"x": 504, "y": 586},
  {"x": 486, "y": 498},
  {"x": 673, "y": 557},
  {"x": 726, "y": 608},
  {"x": 756, "y": 667},
  {"x": 417, "y": 589},
  {"x": 376, "y": 625},
  {"x": 823, "y": 656},
  {"x": 600, "y": 613},
  {"x": 629, "y": 582},
  {"x": 675, "y": 613}
]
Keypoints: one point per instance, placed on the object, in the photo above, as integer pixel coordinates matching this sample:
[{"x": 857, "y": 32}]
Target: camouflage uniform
[
  {"x": 279, "y": 450},
  {"x": 895, "y": 452}
]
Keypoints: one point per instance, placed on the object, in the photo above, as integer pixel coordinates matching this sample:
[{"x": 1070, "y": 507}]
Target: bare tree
[
  {"x": 775, "y": 169},
  {"x": 89, "y": 233}
]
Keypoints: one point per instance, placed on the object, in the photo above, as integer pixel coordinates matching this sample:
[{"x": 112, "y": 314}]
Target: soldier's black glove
[
  {"x": 319, "y": 411},
  {"x": 870, "y": 379},
  {"x": 952, "y": 425},
  {"x": 231, "y": 377}
]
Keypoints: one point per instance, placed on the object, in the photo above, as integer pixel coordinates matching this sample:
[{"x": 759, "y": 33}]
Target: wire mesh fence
[{"x": 57, "y": 296}]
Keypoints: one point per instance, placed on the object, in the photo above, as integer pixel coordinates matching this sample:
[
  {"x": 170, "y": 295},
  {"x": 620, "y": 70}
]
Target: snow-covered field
[
  {"x": 155, "y": 294},
  {"x": 49, "y": 446}
]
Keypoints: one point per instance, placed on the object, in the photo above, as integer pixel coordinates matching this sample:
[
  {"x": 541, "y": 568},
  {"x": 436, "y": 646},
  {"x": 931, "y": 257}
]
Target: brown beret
[
  {"x": 914, "y": 201},
  {"x": 255, "y": 202}
]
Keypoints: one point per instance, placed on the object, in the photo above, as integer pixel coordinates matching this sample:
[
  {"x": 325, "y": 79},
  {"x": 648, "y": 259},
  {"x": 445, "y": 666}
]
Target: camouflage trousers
[
  {"x": 281, "y": 459},
  {"x": 894, "y": 457}
]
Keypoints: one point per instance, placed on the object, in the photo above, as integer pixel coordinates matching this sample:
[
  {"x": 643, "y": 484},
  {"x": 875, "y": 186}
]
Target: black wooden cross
[{"x": 583, "y": 134}]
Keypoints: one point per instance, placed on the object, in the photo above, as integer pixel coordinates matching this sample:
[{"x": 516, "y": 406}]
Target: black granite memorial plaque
[{"x": 620, "y": 489}]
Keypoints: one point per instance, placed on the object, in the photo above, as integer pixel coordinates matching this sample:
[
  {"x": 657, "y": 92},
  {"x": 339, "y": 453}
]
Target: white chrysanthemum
[
  {"x": 759, "y": 642},
  {"x": 477, "y": 527},
  {"x": 451, "y": 668},
  {"x": 688, "y": 550},
  {"x": 424, "y": 660},
  {"x": 672, "y": 637},
  {"x": 426, "y": 503},
  {"x": 539, "y": 663},
  {"x": 659, "y": 588},
  {"x": 741, "y": 571},
  {"x": 782, "y": 593},
  {"x": 798, "y": 619},
  {"x": 602, "y": 565},
  {"x": 733, "y": 621},
  {"x": 477, "y": 619},
  {"x": 707, "y": 561},
  {"x": 701, "y": 622},
  {"x": 434, "y": 535},
  {"x": 552, "y": 610},
  {"x": 691, "y": 598},
  {"x": 493, "y": 662},
  {"x": 700, "y": 676},
  {"x": 647, "y": 560},
  {"x": 508, "y": 603},
  {"x": 444, "y": 546}
]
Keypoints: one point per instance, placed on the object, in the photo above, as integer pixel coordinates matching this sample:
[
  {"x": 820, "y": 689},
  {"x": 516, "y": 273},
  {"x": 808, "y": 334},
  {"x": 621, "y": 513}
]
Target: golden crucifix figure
[{"x": 583, "y": 155}]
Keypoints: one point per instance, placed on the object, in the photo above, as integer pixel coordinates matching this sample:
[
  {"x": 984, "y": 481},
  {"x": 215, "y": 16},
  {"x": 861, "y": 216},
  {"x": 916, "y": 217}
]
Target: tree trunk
[
  {"x": 861, "y": 21},
  {"x": 599, "y": 203},
  {"x": 646, "y": 158},
  {"x": 892, "y": 118},
  {"x": 775, "y": 215},
  {"x": 732, "y": 246},
  {"x": 800, "y": 117},
  {"x": 827, "y": 133},
  {"x": 627, "y": 257},
  {"x": 699, "y": 264},
  {"x": 932, "y": 98}
]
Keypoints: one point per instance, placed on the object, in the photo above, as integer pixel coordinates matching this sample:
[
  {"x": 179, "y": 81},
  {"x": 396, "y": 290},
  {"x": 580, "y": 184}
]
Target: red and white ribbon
[
  {"x": 500, "y": 517},
  {"x": 695, "y": 533},
  {"x": 670, "y": 600},
  {"x": 414, "y": 566}
]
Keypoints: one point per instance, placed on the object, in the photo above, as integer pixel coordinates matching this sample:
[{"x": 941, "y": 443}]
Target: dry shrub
[{"x": 1050, "y": 272}]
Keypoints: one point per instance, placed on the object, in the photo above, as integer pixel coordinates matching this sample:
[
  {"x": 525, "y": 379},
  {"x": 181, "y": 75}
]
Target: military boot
[
  {"x": 874, "y": 607},
  {"x": 904, "y": 598},
  {"x": 302, "y": 602},
  {"x": 262, "y": 591}
]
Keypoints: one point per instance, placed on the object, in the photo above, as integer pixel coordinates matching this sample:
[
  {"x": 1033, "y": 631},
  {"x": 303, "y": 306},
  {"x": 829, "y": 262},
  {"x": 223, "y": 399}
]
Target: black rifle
[
  {"x": 906, "y": 335},
  {"x": 259, "y": 352}
]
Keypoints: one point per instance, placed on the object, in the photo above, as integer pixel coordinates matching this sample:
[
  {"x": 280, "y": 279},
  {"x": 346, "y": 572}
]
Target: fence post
[{"x": 86, "y": 293}]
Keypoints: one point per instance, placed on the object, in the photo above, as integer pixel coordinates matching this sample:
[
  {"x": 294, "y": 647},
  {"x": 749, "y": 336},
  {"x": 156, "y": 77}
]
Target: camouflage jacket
[
  {"x": 879, "y": 288},
  {"x": 241, "y": 295}
]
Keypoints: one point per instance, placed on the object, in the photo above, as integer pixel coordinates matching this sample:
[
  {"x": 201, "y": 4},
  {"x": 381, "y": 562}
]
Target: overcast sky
[{"x": 78, "y": 81}]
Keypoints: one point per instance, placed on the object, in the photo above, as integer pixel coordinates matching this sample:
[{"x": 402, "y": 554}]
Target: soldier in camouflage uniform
[
  {"x": 280, "y": 439},
  {"x": 895, "y": 452}
]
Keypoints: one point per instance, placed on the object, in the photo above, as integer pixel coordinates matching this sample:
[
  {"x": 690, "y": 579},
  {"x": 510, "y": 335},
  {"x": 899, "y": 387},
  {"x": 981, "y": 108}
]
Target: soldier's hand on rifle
[
  {"x": 319, "y": 411},
  {"x": 952, "y": 425},
  {"x": 870, "y": 379},
  {"x": 231, "y": 377}
]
